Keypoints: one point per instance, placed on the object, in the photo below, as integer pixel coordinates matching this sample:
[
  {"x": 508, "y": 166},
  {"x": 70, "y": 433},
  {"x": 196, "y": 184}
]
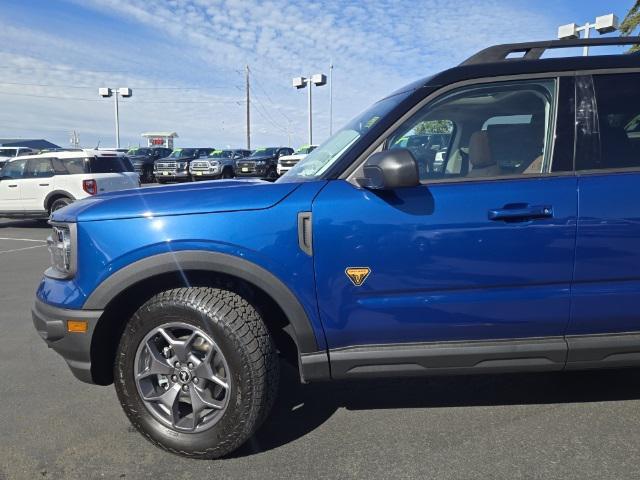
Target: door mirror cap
[{"x": 391, "y": 169}]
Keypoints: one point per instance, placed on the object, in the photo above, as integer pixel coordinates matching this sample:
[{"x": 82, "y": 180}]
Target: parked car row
[{"x": 191, "y": 164}]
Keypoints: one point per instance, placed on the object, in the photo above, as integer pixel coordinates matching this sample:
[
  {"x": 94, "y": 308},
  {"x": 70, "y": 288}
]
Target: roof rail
[{"x": 534, "y": 50}]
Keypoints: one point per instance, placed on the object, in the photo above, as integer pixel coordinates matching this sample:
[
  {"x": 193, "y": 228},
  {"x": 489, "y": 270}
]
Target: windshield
[
  {"x": 264, "y": 152},
  {"x": 138, "y": 151},
  {"x": 304, "y": 150},
  {"x": 327, "y": 154},
  {"x": 221, "y": 154},
  {"x": 8, "y": 152},
  {"x": 181, "y": 153}
]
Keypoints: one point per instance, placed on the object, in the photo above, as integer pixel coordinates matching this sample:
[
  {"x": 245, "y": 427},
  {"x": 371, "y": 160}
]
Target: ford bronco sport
[{"x": 522, "y": 253}]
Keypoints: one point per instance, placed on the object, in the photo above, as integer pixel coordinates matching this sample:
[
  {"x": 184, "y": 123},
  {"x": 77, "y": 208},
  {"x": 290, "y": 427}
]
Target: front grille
[
  {"x": 166, "y": 166},
  {"x": 288, "y": 163},
  {"x": 199, "y": 166},
  {"x": 249, "y": 166}
]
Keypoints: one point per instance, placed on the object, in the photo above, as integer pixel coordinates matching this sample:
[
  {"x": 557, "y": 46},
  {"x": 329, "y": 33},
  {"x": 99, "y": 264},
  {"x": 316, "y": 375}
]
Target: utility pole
[
  {"x": 248, "y": 110},
  {"x": 75, "y": 139},
  {"x": 330, "y": 97}
]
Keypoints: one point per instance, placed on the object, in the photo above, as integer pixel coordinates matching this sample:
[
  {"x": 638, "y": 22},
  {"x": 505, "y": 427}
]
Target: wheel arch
[
  {"x": 148, "y": 276},
  {"x": 54, "y": 195}
]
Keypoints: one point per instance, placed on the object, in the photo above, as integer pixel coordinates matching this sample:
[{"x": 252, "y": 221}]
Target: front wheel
[
  {"x": 58, "y": 204},
  {"x": 196, "y": 371}
]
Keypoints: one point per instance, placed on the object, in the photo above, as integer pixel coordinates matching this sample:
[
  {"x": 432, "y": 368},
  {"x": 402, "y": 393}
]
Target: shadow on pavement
[
  {"x": 300, "y": 409},
  {"x": 37, "y": 224}
]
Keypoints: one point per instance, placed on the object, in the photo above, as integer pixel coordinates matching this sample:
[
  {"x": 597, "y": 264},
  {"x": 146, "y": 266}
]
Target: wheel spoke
[
  {"x": 199, "y": 403},
  {"x": 158, "y": 365},
  {"x": 205, "y": 371},
  {"x": 165, "y": 397}
]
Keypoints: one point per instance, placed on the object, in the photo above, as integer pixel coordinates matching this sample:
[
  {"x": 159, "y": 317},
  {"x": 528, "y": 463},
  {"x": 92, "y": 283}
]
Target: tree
[
  {"x": 630, "y": 23},
  {"x": 435, "y": 126}
]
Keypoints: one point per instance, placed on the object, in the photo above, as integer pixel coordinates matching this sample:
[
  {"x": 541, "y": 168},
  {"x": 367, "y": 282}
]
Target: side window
[
  {"x": 39, "y": 168},
  {"x": 75, "y": 165},
  {"x": 14, "y": 170},
  {"x": 58, "y": 166},
  {"x": 482, "y": 132},
  {"x": 618, "y": 106}
]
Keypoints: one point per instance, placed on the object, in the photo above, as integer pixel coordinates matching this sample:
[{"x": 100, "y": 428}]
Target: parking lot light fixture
[
  {"x": 603, "y": 24},
  {"x": 318, "y": 79},
  {"x": 125, "y": 92}
]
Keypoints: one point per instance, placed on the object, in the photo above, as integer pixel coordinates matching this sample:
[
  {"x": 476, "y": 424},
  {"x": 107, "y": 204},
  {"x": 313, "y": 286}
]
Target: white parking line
[
  {"x": 20, "y": 249},
  {"x": 22, "y": 239}
]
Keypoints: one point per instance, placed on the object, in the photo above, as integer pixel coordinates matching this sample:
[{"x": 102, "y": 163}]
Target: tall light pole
[
  {"x": 106, "y": 92},
  {"x": 318, "y": 80},
  {"x": 330, "y": 97},
  {"x": 248, "y": 113},
  {"x": 604, "y": 24}
]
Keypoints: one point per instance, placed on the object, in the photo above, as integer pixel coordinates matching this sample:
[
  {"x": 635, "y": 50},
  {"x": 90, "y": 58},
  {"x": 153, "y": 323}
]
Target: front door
[
  {"x": 482, "y": 251},
  {"x": 38, "y": 182}
]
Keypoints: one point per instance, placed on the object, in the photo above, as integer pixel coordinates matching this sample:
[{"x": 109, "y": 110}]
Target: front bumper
[
  {"x": 182, "y": 174},
  {"x": 75, "y": 348}
]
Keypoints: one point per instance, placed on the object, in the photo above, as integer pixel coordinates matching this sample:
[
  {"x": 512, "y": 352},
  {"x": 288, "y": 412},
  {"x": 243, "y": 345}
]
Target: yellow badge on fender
[{"x": 357, "y": 274}]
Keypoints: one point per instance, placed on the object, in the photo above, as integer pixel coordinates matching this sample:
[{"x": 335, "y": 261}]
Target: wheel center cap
[{"x": 184, "y": 376}]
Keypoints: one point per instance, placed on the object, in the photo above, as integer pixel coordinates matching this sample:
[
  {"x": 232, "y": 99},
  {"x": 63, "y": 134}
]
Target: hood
[
  {"x": 298, "y": 156},
  {"x": 253, "y": 159},
  {"x": 181, "y": 199}
]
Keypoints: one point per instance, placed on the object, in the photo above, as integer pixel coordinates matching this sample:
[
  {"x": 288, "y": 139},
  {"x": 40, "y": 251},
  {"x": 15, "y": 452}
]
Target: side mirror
[{"x": 391, "y": 169}]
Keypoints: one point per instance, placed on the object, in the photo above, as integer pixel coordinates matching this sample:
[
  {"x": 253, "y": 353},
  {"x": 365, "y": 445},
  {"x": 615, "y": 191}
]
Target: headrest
[{"x": 479, "y": 151}]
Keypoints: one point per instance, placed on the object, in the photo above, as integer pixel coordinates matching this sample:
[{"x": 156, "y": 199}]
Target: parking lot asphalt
[{"x": 561, "y": 425}]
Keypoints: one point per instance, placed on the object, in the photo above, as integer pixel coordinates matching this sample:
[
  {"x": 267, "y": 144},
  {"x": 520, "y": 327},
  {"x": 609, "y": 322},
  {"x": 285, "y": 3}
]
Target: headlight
[
  {"x": 214, "y": 163},
  {"x": 260, "y": 162},
  {"x": 61, "y": 246},
  {"x": 182, "y": 165}
]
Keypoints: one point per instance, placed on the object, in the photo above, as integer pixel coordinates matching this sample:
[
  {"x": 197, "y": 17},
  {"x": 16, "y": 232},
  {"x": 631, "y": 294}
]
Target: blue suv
[{"x": 520, "y": 252}]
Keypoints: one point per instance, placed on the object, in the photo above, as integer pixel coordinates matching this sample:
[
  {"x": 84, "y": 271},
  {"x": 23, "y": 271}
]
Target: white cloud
[{"x": 376, "y": 47}]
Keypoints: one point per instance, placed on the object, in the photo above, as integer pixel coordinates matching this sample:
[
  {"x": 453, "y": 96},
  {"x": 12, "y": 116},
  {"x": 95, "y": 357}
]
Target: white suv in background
[
  {"x": 287, "y": 162},
  {"x": 35, "y": 185}
]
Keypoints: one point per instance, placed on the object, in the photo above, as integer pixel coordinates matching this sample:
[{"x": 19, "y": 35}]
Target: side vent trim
[{"x": 304, "y": 233}]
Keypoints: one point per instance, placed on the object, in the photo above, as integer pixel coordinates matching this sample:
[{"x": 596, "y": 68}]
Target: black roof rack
[{"x": 534, "y": 50}]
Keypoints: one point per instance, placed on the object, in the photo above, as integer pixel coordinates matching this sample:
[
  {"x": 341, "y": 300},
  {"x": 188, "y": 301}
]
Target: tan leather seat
[{"x": 480, "y": 158}]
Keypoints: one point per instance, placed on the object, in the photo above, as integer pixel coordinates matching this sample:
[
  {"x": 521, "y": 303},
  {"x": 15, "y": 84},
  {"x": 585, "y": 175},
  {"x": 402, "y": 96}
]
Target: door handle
[
  {"x": 521, "y": 212},
  {"x": 12, "y": 186},
  {"x": 43, "y": 184}
]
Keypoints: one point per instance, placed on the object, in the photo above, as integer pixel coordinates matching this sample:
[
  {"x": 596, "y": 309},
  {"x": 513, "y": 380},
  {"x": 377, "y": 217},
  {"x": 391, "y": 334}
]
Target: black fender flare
[
  {"x": 55, "y": 193},
  {"x": 215, "y": 262}
]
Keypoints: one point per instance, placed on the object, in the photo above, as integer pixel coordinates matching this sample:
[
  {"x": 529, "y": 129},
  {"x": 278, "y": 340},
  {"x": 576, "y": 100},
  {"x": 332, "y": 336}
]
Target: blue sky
[{"x": 184, "y": 60}]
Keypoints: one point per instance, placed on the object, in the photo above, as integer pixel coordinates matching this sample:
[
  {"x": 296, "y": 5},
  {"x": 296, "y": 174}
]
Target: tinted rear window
[
  {"x": 100, "y": 164},
  {"x": 110, "y": 165}
]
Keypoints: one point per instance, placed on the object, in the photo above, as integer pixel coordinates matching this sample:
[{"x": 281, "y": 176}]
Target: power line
[
  {"x": 58, "y": 97},
  {"x": 93, "y": 86}
]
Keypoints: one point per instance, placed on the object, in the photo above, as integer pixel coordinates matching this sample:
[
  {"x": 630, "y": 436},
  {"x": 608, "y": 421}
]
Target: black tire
[
  {"x": 243, "y": 339},
  {"x": 147, "y": 175},
  {"x": 59, "y": 203},
  {"x": 227, "y": 173},
  {"x": 272, "y": 174}
]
